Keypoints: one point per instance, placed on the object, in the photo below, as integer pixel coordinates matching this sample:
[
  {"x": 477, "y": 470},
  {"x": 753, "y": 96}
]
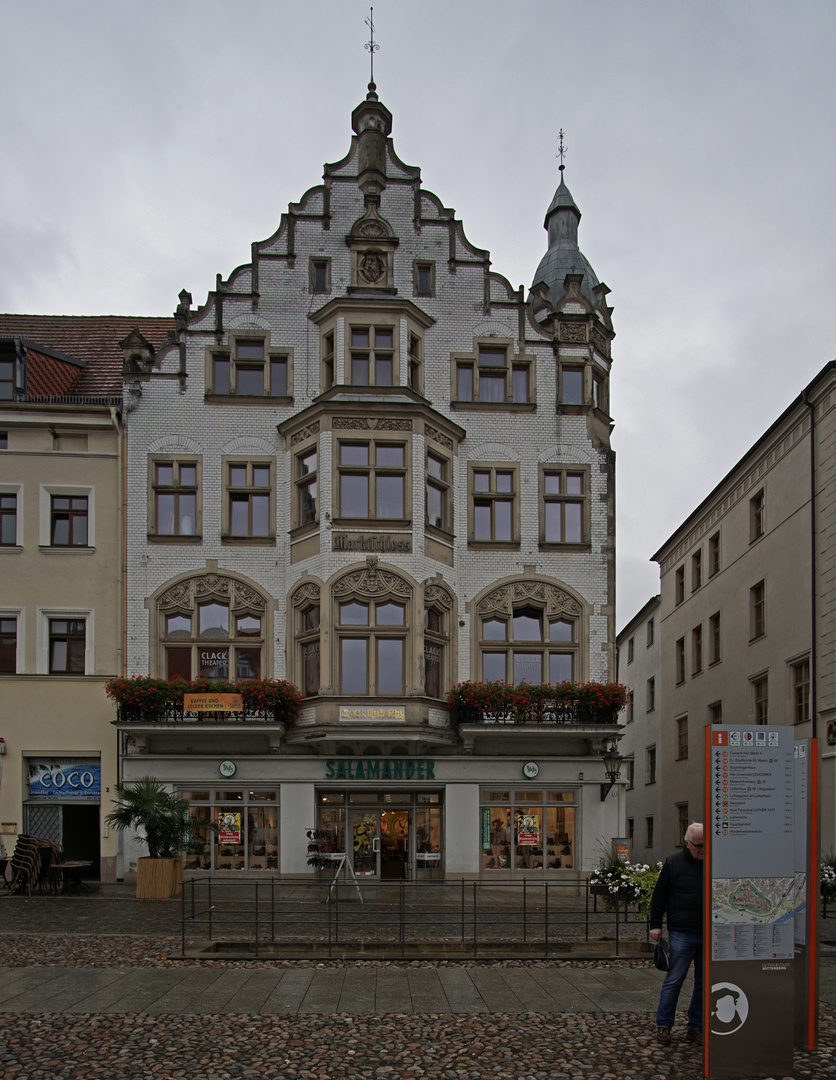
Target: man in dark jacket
[{"x": 679, "y": 893}]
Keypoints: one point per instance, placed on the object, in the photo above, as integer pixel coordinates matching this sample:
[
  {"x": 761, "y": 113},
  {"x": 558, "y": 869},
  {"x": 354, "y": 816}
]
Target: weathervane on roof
[
  {"x": 371, "y": 47},
  {"x": 561, "y": 151}
]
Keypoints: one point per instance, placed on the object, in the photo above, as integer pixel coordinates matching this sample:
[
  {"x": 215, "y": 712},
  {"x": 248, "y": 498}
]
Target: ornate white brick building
[{"x": 370, "y": 466}]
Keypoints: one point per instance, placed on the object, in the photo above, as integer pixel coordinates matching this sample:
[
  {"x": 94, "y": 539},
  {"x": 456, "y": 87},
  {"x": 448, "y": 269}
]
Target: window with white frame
[
  {"x": 10, "y": 517},
  {"x": 64, "y": 641},
  {"x": 9, "y": 643},
  {"x": 67, "y": 517},
  {"x": 757, "y": 610}
]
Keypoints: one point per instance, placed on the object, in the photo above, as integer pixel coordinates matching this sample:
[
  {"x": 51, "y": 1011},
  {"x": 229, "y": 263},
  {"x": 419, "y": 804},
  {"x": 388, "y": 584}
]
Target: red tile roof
[{"x": 93, "y": 339}]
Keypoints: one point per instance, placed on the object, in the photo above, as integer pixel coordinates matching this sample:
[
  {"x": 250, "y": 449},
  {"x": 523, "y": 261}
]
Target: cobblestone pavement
[{"x": 97, "y": 997}]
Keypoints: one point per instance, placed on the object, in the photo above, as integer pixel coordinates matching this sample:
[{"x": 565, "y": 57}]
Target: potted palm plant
[{"x": 164, "y": 817}]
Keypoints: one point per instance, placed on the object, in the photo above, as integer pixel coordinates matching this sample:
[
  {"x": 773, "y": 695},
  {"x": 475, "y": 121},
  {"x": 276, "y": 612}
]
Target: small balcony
[
  {"x": 150, "y": 703},
  {"x": 552, "y": 713},
  {"x": 173, "y": 713}
]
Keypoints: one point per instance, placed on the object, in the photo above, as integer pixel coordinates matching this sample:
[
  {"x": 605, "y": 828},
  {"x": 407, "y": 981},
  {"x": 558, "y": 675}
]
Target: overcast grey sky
[{"x": 145, "y": 145}]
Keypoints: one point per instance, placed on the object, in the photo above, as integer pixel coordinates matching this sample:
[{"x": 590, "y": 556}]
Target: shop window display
[
  {"x": 246, "y": 830},
  {"x": 528, "y": 831}
]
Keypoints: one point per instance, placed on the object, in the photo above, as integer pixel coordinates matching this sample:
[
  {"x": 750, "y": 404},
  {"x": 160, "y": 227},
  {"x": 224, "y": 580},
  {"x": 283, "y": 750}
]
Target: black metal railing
[
  {"x": 174, "y": 713},
  {"x": 548, "y": 712},
  {"x": 400, "y": 919}
]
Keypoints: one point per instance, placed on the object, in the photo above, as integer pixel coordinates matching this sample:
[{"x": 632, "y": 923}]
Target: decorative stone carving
[
  {"x": 371, "y": 265},
  {"x": 363, "y": 423},
  {"x": 306, "y": 594},
  {"x": 212, "y": 585},
  {"x": 572, "y": 332},
  {"x": 305, "y": 433},
  {"x": 503, "y": 600},
  {"x": 179, "y": 595},
  {"x": 437, "y": 436},
  {"x": 437, "y": 595},
  {"x": 371, "y": 581},
  {"x": 247, "y": 597}
]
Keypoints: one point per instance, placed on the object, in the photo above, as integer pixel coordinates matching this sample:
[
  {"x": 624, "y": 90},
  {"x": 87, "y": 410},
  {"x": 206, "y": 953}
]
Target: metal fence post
[
  {"x": 475, "y": 932},
  {"x": 546, "y": 919},
  {"x": 256, "y": 883},
  {"x": 525, "y": 910}
]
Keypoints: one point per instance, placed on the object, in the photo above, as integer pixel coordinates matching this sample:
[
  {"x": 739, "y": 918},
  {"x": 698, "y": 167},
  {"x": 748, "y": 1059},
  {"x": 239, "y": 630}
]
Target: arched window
[
  {"x": 438, "y": 614},
  {"x": 372, "y": 631},
  {"x": 212, "y": 626},
  {"x": 530, "y": 632},
  {"x": 305, "y": 604}
]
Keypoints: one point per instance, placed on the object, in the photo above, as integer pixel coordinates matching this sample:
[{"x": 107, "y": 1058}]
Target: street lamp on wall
[{"x": 612, "y": 767}]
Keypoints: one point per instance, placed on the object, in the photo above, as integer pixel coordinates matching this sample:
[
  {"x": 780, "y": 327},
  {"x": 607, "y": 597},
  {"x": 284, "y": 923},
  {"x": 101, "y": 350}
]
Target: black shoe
[
  {"x": 694, "y": 1035},
  {"x": 663, "y": 1036}
]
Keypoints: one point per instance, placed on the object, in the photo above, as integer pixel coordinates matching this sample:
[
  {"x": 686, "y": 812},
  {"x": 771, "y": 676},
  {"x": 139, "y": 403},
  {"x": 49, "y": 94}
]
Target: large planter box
[{"x": 158, "y": 879}]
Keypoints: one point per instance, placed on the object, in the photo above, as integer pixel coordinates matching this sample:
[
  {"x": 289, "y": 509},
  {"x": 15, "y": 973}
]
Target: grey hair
[{"x": 692, "y": 828}]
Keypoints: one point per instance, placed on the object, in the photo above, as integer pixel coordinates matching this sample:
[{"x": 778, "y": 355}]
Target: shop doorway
[
  {"x": 75, "y": 826},
  {"x": 381, "y": 843}
]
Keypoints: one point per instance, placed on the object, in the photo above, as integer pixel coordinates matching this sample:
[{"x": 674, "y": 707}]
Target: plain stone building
[
  {"x": 748, "y": 608},
  {"x": 370, "y": 466}
]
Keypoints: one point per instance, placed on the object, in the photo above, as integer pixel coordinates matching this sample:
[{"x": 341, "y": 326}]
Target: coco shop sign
[{"x": 379, "y": 769}]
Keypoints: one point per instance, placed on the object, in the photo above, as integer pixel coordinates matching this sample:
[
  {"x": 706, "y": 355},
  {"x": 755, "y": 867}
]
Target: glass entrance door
[
  {"x": 366, "y": 846},
  {"x": 394, "y": 844}
]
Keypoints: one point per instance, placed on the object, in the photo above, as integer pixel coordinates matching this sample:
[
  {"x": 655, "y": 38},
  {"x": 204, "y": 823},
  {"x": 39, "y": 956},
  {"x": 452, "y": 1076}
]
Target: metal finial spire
[
  {"x": 561, "y": 152},
  {"x": 372, "y": 48}
]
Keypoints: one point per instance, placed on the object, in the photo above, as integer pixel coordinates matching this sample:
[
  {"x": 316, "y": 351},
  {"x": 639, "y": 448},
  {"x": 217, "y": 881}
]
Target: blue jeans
[{"x": 684, "y": 948}]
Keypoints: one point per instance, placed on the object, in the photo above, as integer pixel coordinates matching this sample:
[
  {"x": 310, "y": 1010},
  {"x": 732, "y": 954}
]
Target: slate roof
[{"x": 92, "y": 340}]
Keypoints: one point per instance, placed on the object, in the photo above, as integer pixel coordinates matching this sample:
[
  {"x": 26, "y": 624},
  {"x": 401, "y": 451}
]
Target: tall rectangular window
[
  {"x": 306, "y": 486},
  {"x": 372, "y": 356},
  {"x": 66, "y": 646},
  {"x": 681, "y": 738},
  {"x": 757, "y": 610},
  {"x": 680, "y": 660},
  {"x": 631, "y": 647},
  {"x": 8, "y": 645},
  {"x": 68, "y": 521},
  {"x": 564, "y": 506},
  {"x": 650, "y": 765},
  {"x": 714, "y": 652},
  {"x": 715, "y": 712},
  {"x": 175, "y": 498},
  {"x": 320, "y": 275},
  {"x": 8, "y": 519},
  {"x": 439, "y": 508},
  {"x": 648, "y": 832},
  {"x": 713, "y": 554},
  {"x": 651, "y": 632},
  {"x": 571, "y": 391},
  {"x": 696, "y": 570},
  {"x": 249, "y": 491},
  {"x": 651, "y": 694},
  {"x": 760, "y": 699},
  {"x": 696, "y": 650},
  {"x": 493, "y": 506},
  {"x": 679, "y": 584},
  {"x": 801, "y": 691},
  {"x": 372, "y": 480},
  {"x": 757, "y": 517}
]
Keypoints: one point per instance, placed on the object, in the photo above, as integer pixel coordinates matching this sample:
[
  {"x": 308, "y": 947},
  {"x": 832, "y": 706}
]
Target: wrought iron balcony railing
[
  {"x": 562, "y": 713},
  {"x": 174, "y": 713}
]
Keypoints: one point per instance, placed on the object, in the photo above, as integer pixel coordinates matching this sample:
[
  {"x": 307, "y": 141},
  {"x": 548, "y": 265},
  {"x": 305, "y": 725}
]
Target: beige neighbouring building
[
  {"x": 749, "y": 603},
  {"x": 61, "y": 558}
]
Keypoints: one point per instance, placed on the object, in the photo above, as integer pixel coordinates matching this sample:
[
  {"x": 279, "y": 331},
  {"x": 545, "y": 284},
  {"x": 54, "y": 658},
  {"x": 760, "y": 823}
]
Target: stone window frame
[
  {"x": 759, "y": 685},
  {"x": 372, "y": 328},
  {"x": 183, "y": 596},
  {"x": 444, "y": 485},
  {"x": 757, "y": 610},
  {"x": 13, "y": 491},
  {"x": 319, "y": 285},
  {"x": 153, "y": 488},
  {"x": 327, "y": 352},
  {"x": 45, "y": 616},
  {"x": 679, "y": 659},
  {"x": 798, "y": 675},
  {"x": 696, "y": 570},
  {"x": 46, "y": 493},
  {"x": 301, "y": 481},
  {"x": 270, "y": 356},
  {"x": 373, "y": 439},
  {"x": 714, "y": 554},
  {"x": 374, "y": 585},
  {"x": 513, "y": 362},
  {"x": 426, "y": 266},
  {"x": 696, "y": 651},
  {"x": 229, "y": 490},
  {"x": 438, "y": 599},
  {"x": 553, "y": 599},
  {"x": 306, "y": 633},
  {"x": 650, "y": 764},
  {"x": 584, "y": 500},
  {"x": 757, "y": 515},
  {"x": 715, "y": 642},
  {"x": 651, "y": 694},
  {"x": 572, "y": 364},
  {"x": 493, "y": 495},
  {"x": 14, "y": 639},
  {"x": 679, "y": 584},
  {"x": 415, "y": 360}
]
